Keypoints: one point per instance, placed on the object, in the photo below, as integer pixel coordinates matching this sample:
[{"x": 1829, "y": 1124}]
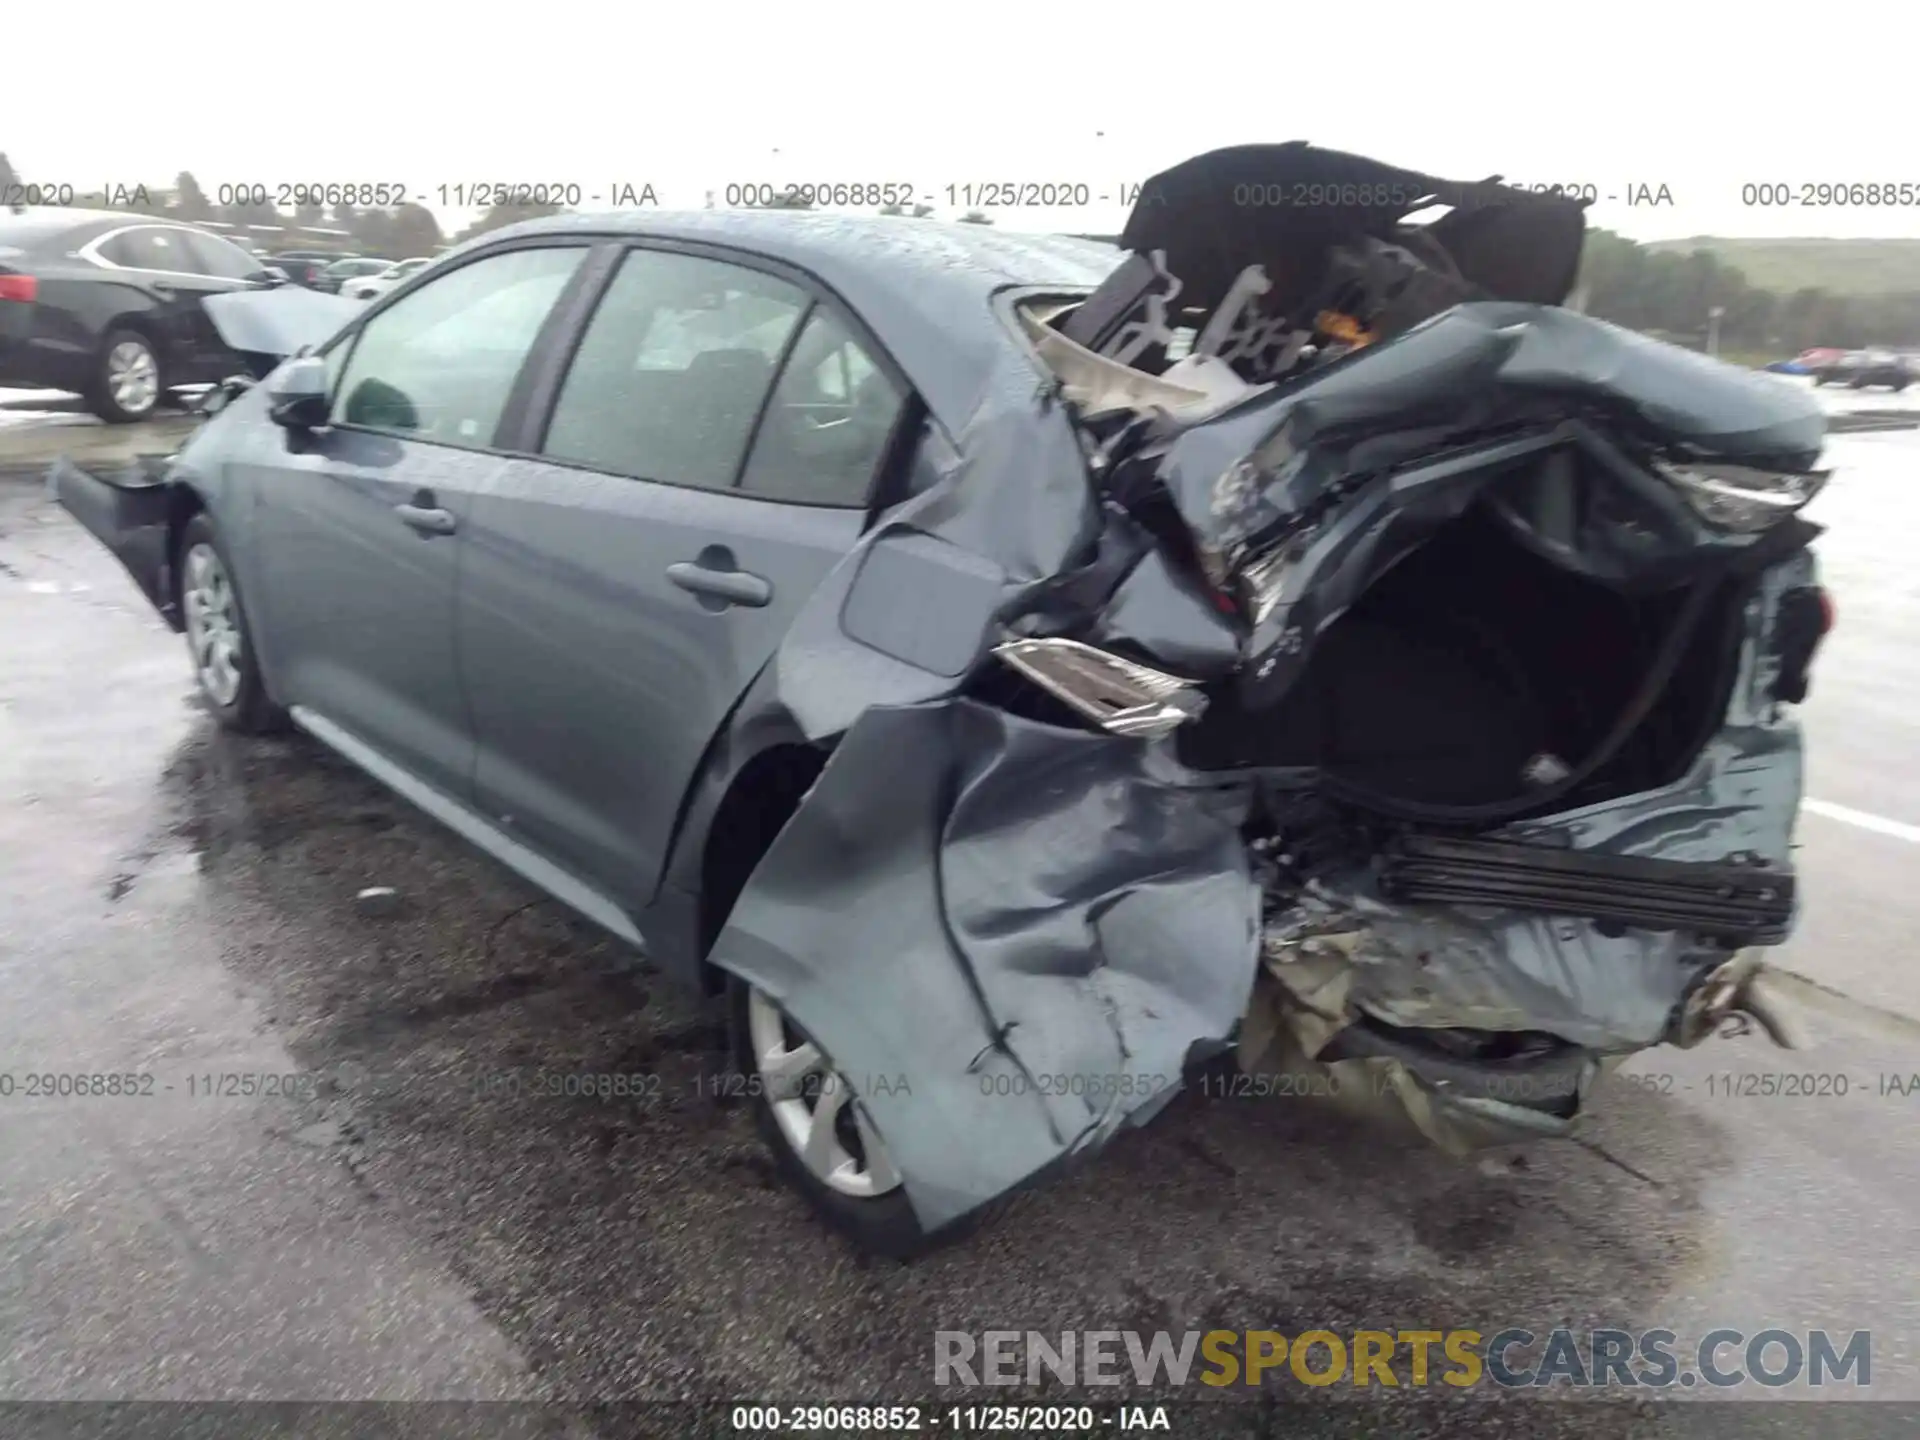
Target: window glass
[
  {"x": 151, "y": 247},
  {"x": 439, "y": 364},
  {"x": 672, "y": 369},
  {"x": 221, "y": 257},
  {"x": 829, "y": 422}
]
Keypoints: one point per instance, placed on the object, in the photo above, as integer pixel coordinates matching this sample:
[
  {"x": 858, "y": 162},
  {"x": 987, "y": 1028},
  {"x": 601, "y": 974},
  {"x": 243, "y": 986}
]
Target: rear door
[
  {"x": 224, "y": 266},
  {"x": 158, "y": 260},
  {"x": 359, "y": 526},
  {"x": 620, "y": 591}
]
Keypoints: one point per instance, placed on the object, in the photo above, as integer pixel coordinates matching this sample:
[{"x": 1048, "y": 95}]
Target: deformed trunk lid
[
  {"x": 1285, "y": 206},
  {"x": 271, "y": 324},
  {"x": 1308, "y": 494}
]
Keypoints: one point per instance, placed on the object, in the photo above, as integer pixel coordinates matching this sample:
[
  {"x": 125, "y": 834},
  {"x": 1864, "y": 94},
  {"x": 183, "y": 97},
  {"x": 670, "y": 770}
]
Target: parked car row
[
  {"x": 1862, "y": 368},
  {"x": 1855, "y": 368},
  {"x": 304, "y": 267}
]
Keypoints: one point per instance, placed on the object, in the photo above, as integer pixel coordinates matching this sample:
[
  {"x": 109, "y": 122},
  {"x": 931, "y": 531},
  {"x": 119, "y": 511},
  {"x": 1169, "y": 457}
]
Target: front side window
[
  {"x": 828, "y": 425},
  {"x": 673, "y": 368},
  {"x": 440, "y": 363}
]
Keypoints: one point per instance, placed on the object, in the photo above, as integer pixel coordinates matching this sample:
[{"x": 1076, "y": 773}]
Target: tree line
[
  {"x": 1673, "y": 294},
  {"x": 1663, "y": 292}
]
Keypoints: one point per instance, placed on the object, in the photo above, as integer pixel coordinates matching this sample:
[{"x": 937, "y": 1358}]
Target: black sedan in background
[{"x": 108, "y": 305}]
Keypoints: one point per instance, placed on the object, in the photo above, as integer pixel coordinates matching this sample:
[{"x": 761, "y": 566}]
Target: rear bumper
[
  {"x": 1737, "y": 904},
  {"x": 30, "y": 364},
  {"x": 129, "y": 509}
]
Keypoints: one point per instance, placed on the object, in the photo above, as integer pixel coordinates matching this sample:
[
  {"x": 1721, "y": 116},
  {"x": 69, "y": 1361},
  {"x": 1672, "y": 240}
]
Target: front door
[{"x": 360, "y": 526}]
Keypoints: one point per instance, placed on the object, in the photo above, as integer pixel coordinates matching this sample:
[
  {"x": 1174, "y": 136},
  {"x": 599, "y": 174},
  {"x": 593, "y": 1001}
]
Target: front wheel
[
  {"x": 218, "y": 641},
  {"x": 821, "y": 1138}
]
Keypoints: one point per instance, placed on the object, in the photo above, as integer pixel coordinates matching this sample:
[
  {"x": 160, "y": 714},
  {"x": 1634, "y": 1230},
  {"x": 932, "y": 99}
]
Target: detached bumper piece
[
  {"x": 126, "y": 509},
  {"x": 1739, "y": 904}
]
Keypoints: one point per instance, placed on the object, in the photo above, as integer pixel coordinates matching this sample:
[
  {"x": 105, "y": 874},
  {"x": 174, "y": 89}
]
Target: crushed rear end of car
[{"x": 1344, "y": 658}]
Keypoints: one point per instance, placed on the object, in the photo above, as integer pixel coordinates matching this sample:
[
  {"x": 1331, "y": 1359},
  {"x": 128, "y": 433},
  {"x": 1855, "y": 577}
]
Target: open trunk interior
[{"x": 1475, "y": 672}]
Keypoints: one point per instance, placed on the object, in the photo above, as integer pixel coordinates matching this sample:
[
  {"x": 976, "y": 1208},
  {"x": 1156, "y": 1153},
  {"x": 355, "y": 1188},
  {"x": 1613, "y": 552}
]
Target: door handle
[
  {"x": 714, "y": 577},
  {"x": 426, "y": 519}
]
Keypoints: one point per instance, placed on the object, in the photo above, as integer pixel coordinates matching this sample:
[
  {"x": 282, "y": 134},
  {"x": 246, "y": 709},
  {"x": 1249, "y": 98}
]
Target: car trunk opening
[{"x": 1474, "y": 672}]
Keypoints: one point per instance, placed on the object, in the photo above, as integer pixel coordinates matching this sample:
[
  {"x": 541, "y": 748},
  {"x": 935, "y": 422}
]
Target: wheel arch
[
  {"x": 752, "y": 809},
  {"x": 183, "y": 503},
  {"x": 146, "y": 325}
]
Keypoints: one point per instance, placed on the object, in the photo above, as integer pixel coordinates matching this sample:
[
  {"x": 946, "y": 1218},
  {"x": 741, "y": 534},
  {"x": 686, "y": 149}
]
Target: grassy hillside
[{"x": 1840, "y": 267}]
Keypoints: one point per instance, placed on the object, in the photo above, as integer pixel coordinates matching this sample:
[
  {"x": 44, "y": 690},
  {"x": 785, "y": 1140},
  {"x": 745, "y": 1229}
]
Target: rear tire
[
  {"x": 219, "y": 643},
  {"x": 127, "y": 383},
  {"x": 881, "y": 1222}
]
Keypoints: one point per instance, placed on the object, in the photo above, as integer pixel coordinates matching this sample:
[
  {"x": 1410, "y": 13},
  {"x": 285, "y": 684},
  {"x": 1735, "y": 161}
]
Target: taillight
[
  {"x": 1827, "y": 615},
  {"x": 19, "y": 287}
]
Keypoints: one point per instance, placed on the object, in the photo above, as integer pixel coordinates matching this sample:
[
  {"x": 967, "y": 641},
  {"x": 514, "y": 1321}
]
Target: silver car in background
[{"x": 365, "y": 287}]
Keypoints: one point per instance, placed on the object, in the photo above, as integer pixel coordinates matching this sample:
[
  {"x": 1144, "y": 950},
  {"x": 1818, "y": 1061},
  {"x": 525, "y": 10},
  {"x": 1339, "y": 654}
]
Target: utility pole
[{"x": 1713, "y": 329}]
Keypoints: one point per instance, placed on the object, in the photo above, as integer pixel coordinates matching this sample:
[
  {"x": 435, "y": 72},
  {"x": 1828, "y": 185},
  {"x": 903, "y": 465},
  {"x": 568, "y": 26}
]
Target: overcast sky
[{"x": 688, "y": 98}]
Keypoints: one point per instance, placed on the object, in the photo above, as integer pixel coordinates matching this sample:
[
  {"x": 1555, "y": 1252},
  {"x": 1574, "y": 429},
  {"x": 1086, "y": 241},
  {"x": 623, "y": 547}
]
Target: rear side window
[
  {"x": 827, "y": 428},
  {"x": 439, "y": 364},
  {"x": 151, "y": 247},
  {"x": 673, "y": 369}
]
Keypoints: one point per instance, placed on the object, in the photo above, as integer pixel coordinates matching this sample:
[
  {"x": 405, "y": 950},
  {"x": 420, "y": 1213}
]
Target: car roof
[
  {"x": 39, "y": 223},
  {"x": 922, "y": 285}
]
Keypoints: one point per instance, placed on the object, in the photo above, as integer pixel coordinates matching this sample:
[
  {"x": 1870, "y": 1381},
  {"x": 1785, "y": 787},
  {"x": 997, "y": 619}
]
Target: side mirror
[{"x": 298, "y": 393}]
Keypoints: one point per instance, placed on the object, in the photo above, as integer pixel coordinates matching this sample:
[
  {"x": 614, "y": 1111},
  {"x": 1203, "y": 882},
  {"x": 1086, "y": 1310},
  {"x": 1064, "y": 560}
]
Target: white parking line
[{"x": 1879, "y": 824}]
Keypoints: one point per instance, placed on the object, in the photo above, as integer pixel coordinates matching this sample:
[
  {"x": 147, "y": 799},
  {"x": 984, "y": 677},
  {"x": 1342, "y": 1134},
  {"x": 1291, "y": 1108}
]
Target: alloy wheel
[
  {"x": 213, "y": 624},
  {"x": 133, "y": 377},
  {"x": 816, "y": 1109}
]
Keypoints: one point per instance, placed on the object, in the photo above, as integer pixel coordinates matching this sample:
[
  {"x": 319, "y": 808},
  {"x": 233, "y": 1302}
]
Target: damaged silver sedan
[{"x": 1022, "y": 674}]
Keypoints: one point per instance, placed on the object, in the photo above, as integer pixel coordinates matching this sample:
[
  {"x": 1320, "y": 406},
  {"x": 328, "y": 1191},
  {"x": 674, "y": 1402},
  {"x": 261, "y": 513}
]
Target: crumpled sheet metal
[
  {"x": 1031, "y": 927},
  {"x": 1035, "y": 928},
  {"x": 1292, "y": 1019},
  {"x": 1346, "y": 950},
  {"x": 1431, "y": 966},
  {"x": 1312, "y": 461},
  {"x": 1002, "y": 523}
]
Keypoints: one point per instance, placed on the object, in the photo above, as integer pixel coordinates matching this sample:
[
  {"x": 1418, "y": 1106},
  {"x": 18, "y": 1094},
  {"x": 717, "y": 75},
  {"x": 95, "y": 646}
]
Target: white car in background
[{"x": 365, "y": 287}]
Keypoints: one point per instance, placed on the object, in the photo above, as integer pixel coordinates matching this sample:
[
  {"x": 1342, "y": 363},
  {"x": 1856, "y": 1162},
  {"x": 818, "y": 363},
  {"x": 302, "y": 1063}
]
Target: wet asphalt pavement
[{"x": 406, "y": 1218}]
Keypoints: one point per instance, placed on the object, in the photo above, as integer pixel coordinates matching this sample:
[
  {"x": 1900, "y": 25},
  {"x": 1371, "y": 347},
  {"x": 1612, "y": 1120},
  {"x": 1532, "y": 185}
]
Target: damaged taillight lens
[
  {"x": 1742, "y": 498},
  {"x": 1121, "y": 696}
]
